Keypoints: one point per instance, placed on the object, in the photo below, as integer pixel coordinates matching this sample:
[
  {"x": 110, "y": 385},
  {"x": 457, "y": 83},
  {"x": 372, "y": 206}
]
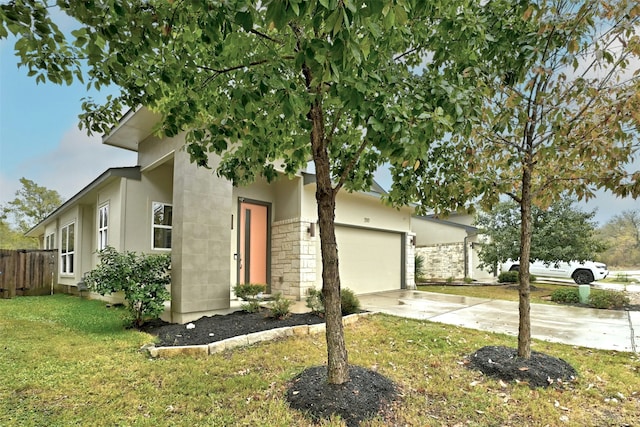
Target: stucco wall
[
  {"x": 201, "y": 249},
  {"x": 358, "y": 209},
  {"x": 431, "y": 233},
  {"x": 155, "y": 185}
]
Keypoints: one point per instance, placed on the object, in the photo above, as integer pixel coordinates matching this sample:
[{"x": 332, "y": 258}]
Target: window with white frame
[
  {"x": 50, "y": 241},
  {"x": 103, "y": 226},
  {"x": 162, "y": 217},
  {"x": 67, "y": 236}
]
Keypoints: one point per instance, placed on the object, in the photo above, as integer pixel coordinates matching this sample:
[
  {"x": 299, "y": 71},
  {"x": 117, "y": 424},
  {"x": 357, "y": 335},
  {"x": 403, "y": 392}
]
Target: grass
[
  {"x": 68, "y": 361},
  {"x": 540, "y": 292}
]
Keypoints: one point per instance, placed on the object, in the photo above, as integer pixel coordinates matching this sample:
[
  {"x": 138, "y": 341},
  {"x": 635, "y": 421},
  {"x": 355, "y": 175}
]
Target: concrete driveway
[{"x": 586, "y": 327}]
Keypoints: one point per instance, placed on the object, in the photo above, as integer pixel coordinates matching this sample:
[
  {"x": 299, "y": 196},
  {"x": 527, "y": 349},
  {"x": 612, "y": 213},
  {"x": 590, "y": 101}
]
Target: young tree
[
  {"x": 561, "y": 232},
  {"x": 564, "y": 122},
  {"x": 282, "y": 81},
  {"x": 622, "y": 235},
  {"x": 31, "y": 205}
]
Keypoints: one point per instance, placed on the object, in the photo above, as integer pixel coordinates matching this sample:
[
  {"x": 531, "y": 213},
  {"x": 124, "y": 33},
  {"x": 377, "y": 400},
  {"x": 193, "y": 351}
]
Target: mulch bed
[
  {"x": 366, "y": 395},
  {"x": 210, "y": 329},
  {"x": 540, "y": 370}
]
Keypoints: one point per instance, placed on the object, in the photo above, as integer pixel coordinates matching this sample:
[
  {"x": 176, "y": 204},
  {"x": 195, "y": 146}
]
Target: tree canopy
[
  {"x": 622, "y": 235},
  {"x": 32, "y": 204},
  {"x": 270, "y": 85},
  {"x": 562, "y": 232},
  {"x": 564, "y": 121}
]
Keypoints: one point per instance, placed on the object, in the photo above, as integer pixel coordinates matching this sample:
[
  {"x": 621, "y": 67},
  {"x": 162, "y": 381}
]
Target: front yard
[{"x": 68, "y": 361}]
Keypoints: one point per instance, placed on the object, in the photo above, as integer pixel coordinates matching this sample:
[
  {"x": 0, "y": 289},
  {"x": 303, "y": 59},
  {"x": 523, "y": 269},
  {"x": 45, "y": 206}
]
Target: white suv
[{"x": 581, "y": 272}]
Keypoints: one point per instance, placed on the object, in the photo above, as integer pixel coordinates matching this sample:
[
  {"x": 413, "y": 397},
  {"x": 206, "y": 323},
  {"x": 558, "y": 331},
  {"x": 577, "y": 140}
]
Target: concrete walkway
[{"x": 587, "y": 327}]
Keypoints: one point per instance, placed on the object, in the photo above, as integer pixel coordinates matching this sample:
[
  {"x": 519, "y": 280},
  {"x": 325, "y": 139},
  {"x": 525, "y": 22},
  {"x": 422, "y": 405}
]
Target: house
[
  {"x": 449, "y": 247},
  {"x": 219, "y": 235}
]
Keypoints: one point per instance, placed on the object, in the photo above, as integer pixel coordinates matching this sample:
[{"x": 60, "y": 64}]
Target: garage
[{"x": 370, "y": 260}]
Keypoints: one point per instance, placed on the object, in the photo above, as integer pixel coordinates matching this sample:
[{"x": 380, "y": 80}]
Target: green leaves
[
  {"x": 561, "y": 232},
  {"x": 142, "y": 277}
]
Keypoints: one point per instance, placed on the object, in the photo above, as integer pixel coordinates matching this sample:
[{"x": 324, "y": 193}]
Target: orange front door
[{"x": 253, "y": 243}]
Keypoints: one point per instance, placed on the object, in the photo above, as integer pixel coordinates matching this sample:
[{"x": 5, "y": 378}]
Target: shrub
[
  {"x": 512, "y": 277},
  {"x": 348, "y": 300},
  {"x": 141, "y": 277},
  {"x": 468, "y": 280},
  {"x": 314, "y": 300},
  {"x": 565, "y": 295},
  {"x": 419, "y": 266},
  {"x": 248, "y": 291},
  {"x": 608, "y": 299},
  {"x": 280, "y": 306},
  {"x": 251, "y": 306},
  {"x": 508, "y": 277}
]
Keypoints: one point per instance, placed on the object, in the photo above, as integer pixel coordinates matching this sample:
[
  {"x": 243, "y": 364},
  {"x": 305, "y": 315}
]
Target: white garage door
[{"x": 370, "y": 261}]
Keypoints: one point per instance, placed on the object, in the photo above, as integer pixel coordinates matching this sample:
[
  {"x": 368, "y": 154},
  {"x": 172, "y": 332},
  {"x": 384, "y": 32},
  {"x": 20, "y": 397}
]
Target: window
[
  {"x": 103, "y": 225},
  {"x": 162, "y": 219},
  {"x": 50, "y": 241},
  {"x": 67, "y": 249}
]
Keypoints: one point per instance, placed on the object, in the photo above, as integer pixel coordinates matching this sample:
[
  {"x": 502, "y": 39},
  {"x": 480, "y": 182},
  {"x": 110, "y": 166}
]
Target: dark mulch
[
  {"x": 540, "y": 370},
  {"x": 210, "y": 329},
  {"x": 366, "y": 395}
]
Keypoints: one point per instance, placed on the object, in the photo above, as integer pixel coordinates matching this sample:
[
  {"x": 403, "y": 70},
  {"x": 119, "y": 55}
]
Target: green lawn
[
  {"x": 540, "y": 292},
  {"x": 68, "y": 361}
]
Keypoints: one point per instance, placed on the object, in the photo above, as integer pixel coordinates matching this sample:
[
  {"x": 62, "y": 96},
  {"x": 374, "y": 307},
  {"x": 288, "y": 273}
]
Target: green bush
[
  {"x": 280, "y": 306},
  {"x": 512, "y": 277},
  {"x": 565, "y": 295},
  {"x": 141, "y": 277},
  {"x": 315, "y": 302},
  {"x": 508, "y": 277},
  {"x": 248, "y": 291},
  {"x": 348, "y": 300},
  {"x": 251, "y": 306},
  {"x": 608, "y": 299}
]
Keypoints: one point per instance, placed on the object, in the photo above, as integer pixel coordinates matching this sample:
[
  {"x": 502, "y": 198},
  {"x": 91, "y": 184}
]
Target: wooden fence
[{"x": 27, "y": 272}]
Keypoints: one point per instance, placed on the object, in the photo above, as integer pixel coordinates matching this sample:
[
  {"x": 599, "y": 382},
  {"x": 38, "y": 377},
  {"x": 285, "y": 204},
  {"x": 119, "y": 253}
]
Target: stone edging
[{"x": 244, "y": 340}]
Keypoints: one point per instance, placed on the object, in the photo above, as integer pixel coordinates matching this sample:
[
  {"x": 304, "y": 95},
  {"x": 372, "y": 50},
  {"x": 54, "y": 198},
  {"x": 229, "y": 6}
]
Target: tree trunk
[
  {"x": 524, "y": 330},
  {"x": 338, "y": 369}
]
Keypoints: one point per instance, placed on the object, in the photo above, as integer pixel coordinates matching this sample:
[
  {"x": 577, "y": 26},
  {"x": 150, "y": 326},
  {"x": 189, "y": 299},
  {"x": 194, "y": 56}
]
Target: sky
[
  {"x": 40, "y": 140},
  {"x": 39, "y": 135}
]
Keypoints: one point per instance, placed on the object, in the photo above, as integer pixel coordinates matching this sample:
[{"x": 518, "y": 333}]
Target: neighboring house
[
  {"x": 220, "y": 235},
  {"x": 449, "y": 247}
]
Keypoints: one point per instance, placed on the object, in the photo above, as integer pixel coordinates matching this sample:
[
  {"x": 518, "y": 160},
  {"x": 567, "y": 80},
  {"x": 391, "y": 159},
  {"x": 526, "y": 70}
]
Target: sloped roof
[
  {"x": 433, "y": 218},
  {"x": 129, "y": 172}
]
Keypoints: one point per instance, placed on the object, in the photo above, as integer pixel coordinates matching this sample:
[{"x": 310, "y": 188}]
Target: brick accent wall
[
  {"x": 442, "y": 261},
  {"x": 293, "y": 258}
]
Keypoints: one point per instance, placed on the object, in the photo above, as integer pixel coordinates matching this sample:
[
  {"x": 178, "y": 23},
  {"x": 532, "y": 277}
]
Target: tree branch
[{"x": 350, "y": 166}]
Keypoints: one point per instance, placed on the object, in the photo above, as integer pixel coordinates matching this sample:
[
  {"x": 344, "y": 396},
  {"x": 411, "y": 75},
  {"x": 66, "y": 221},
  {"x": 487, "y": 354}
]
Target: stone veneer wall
[
  {"x": 293, "y": 258},
  {"x": 442, "y": 261},
  {"x": 410, "y": 261}
]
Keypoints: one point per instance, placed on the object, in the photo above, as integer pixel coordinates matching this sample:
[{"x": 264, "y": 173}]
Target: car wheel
[
  {"x": 515, "y": 267},
  {"x": 583, "y": 277}
]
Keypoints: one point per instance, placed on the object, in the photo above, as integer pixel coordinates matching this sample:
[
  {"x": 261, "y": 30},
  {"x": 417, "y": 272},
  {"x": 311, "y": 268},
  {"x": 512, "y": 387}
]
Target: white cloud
[{"x": 76, "y": 161}]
